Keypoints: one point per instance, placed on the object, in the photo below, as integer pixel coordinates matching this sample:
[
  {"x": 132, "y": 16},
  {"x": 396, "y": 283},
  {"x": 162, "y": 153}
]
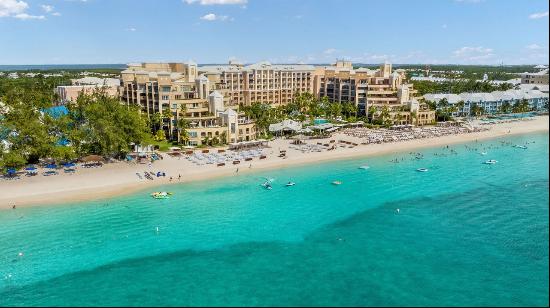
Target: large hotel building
[{"x": 209, "y": 96}]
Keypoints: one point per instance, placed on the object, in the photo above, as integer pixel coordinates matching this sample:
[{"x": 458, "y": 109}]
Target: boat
[
  {"x": 520, "y": 146},
  {"x": 290, "y": 184},
  {"x": 336, "y": 183},
  {"x": 161, "y": 195},
  {"x": 422, "y": 170},
  {"x": 483, "y": 153},
  {"x": 267, "y": 185},
  {"x": 365, "y": 167},
  {"x": 490, "y": 162}
]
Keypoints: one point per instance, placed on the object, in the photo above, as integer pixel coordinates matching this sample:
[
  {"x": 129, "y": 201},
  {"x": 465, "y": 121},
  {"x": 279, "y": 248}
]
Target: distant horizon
[{"x": 23, "y": 67}]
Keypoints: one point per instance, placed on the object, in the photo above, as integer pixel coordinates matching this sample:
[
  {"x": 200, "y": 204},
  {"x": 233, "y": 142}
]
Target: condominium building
[
  {"x": 491, "y": 102},
  {"x": 261, "y": 82},
  {"x": 540, "y": 77},
  {"x": 177, "y": 90},
  {"x": 372, "y": 91}
]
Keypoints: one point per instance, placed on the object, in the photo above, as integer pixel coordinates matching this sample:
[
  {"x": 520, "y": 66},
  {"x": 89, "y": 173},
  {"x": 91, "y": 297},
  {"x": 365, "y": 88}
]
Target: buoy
[
  {"x": 397, "y": 211},
  {"x": 157, "y": 229},
  {"x": 20, "y": 254}
]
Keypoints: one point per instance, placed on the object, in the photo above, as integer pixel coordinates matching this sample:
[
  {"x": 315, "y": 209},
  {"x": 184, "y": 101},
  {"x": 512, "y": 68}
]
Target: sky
[{"x": 280, "y": 31}]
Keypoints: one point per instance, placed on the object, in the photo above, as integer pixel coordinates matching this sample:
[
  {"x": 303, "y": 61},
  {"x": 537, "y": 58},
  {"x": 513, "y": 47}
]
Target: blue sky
[{"x": 280, "y": 31}]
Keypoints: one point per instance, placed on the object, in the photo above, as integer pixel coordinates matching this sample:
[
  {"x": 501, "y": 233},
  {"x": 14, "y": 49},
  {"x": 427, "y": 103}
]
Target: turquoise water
[{"x": 466, "y": 234}]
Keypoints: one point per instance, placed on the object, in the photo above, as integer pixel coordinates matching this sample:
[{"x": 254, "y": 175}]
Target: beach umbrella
[
  {"x": 67, "y": 165},
  {"x": 11, "y": 171},
  {"x": 30, "y": 168},
  {"x": 92, "y": 158},
  {"x": 51, "y": 166}
]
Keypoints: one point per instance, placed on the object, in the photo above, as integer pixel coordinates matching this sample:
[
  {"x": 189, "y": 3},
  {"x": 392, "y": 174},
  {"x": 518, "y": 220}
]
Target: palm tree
[
  {"x": 167, "y": 115},
  {"x": 372, "y": 111},
  {"x": 460, "y": 107},
  {"x": 182, "y": 125}
]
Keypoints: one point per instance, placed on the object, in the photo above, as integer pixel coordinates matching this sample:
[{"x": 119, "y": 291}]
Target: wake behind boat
[
  {"x": 364, "y": 167},
  {"x": 422, "y": 170},
  {"x": 520, "y": 147}
]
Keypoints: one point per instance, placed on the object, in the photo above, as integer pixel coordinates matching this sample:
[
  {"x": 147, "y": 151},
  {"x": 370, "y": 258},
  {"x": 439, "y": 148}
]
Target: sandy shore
[{"x": 120, "y": 178}]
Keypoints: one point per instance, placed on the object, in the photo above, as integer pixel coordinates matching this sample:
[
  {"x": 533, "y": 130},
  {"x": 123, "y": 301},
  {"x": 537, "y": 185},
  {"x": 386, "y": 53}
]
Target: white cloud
[
  {"x": 538, "y": 15},
  {"x": 214, "y": 17},
  {"x": 216, "y": 2},
  {"x": 473, "y": 54},
  {"x": 132, "y": 29},
  {"x": 47, "y": 8},
  {"x": 10, "y": 8},
  {"x": 25, "y": 16},
  {"x": 56, "y": 14},
  {"x": 533, "y": 47},
  {"x": 16, "y": 9}
]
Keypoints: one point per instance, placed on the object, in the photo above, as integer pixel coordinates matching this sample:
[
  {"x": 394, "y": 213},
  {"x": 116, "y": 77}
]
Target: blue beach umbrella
[
  {"x": 67, "y": 165},
  {"x": 51, "y": 166},
  {"x": 30, "y": 168},
  {"x": 11, "y": 171}
]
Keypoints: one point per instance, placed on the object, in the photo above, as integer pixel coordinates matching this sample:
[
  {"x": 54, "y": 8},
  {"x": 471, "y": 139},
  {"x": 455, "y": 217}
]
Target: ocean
[{"x": 463, "y": 233}]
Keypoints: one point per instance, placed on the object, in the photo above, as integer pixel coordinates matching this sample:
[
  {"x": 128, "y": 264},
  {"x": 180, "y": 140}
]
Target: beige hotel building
[{"x": 208, "y": 96}]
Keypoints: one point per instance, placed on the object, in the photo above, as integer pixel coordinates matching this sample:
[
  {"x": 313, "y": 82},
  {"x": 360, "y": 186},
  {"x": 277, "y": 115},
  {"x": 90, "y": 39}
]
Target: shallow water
[{"x": 466, "y": 234}]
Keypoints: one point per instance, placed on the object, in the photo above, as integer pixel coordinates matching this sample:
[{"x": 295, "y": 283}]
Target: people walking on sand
[
  {"x": 179, "y": 177},
  {"x": 170, "y": 179}
]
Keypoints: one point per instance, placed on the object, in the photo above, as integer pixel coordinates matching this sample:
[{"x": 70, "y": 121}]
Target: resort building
[
  {"x": 177, "y": 91},
  {"x": 540, "y": 77},
  {"x": 261, "y": 82},
  {"x": 87, "y": 85},
  {"x": 373, "y": 91},
  {"x": 491, "y": 102}
]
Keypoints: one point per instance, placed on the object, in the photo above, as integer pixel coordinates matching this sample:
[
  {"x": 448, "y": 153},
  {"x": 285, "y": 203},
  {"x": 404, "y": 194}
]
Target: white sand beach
[{"x": 120, "y": 178}]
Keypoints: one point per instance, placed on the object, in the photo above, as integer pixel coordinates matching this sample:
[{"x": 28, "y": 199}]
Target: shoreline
[{"x": 119, "y": 179}]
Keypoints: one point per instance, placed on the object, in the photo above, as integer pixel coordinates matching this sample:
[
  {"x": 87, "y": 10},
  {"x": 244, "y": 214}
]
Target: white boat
[
  {"x": 336, "y": 183},
  {"x": 520, "y": 146},
  {"x": 490, "y": 162},
  {"x": 422, "y": 170},
  {"x": 290, "y": 184},
  {"x": 267, "y": 185},
  {"x": 365, "y": 167}
]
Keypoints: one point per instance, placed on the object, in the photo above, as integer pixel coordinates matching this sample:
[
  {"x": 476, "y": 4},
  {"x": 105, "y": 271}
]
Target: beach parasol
[
  {"x": 51, "y": 166},
  {"x": 30, "y": 168},
  {"x": 68, "y": 165},
  {"x": 11, "y": 171}
]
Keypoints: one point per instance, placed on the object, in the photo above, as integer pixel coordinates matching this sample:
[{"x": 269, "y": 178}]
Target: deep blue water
[{"x": 466, "y": 234}]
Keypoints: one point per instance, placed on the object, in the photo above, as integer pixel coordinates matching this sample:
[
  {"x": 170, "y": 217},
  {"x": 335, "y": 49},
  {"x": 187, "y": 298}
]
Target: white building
[{"x": 492, "y": 102}]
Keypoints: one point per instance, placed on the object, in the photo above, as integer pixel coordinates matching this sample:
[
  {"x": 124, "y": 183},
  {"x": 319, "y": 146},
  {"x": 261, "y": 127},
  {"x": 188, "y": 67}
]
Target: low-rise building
[
  {"x": 491, "y": 102},
  {"x": 87, "y": 85},
  {"x": 540, "y": 77}
]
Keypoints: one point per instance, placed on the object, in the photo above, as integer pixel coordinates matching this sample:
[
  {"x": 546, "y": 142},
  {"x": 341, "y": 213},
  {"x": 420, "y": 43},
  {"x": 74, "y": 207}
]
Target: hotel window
[
  {"x": 165, "y": 97},
  {"x": 165, "y": 89}
]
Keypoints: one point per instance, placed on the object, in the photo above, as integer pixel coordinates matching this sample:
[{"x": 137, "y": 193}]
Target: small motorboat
[
  {"x": 422, "y": 170},
  {"x": 520, "y": 146},
  {"x": 490, "y": 162},
  {"x": 161, "y": 195},
  {"x": 365, "y": 167},
  {"x": 336, "y": 183},
  {"x": 267, "y": 185},
  {"x": 290, "y": 184}
]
